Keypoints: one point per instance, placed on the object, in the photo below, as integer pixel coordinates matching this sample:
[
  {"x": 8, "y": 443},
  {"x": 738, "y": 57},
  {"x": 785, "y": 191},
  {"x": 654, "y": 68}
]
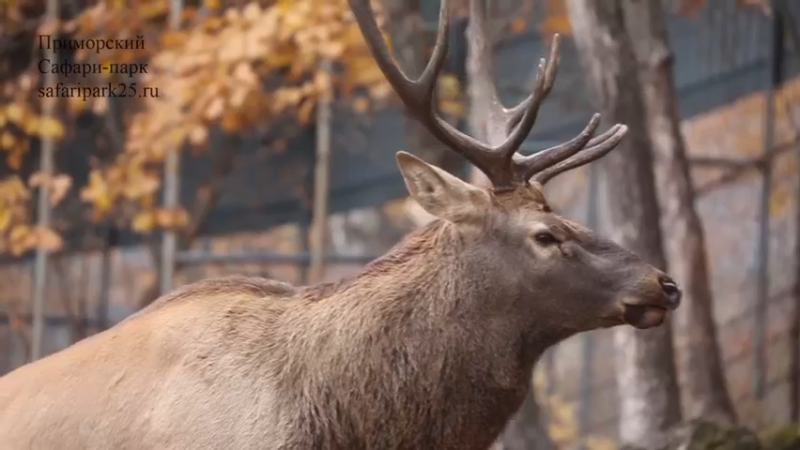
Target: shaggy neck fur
[{"x": 414, "y": 352}]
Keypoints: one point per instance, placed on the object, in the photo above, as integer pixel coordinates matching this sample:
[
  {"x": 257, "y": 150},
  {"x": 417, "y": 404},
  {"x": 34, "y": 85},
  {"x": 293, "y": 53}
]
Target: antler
[{"x": 506, "y": 128}]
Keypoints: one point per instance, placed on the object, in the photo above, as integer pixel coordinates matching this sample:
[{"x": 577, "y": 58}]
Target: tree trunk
[
  {"x": 702, "y": 372},
  {"x": 527, "y": 429},
  {"x": 794, "y": 327},
  {"x": 645, "y": 363}
]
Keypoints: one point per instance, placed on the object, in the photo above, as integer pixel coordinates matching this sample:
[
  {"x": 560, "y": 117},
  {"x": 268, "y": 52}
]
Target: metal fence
[{"x": 750, "y": 253}]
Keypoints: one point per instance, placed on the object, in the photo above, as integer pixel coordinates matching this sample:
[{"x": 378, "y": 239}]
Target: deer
[{"x": 431, "y": 346}]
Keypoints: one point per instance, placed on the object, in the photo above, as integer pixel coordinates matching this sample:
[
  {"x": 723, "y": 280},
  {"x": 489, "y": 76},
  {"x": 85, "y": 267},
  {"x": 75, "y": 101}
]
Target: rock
[
  {"x": 705, "y": 435},
  {"x": 784, "y": 438}
]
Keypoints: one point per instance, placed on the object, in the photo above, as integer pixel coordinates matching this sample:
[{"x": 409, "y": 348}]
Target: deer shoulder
[{"x": 219, "y": 288}]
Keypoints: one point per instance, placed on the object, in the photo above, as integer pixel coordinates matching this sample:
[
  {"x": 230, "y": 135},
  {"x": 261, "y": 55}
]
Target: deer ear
[{"x": 441, "y": 194}]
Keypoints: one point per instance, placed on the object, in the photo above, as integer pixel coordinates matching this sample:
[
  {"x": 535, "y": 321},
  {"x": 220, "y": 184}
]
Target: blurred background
[{"x": 149, "y": 144}]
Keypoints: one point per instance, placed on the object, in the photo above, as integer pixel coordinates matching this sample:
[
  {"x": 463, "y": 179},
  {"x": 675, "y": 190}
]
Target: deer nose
[{"x": 672, "y": 292}]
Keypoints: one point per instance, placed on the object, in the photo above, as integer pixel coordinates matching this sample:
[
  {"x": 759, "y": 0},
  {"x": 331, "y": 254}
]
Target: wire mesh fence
[{"x": 749, "y": 244}]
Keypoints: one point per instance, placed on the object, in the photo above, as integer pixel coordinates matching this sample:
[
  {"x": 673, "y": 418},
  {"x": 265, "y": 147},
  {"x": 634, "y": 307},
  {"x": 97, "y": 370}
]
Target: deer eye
[{"x": 545, "y": 238}]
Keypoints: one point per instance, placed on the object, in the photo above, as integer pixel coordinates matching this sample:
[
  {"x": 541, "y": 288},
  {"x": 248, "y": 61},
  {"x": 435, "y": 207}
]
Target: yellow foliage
[
  {"x": 449, "y": 96},
  {"x": 20, "y": 122},
  {"x": 557, "y": 18},
  {"x": 744, "y": 123},
  {"x": 562, "y": 420},
  {"x": 50, "y": 128},
  {"x": 16, "y": 235},
  {"x": 213, "y": 73},
  {"x": 144, "y": 222},
  {"x": 171, "y": 219},
  {"x": 784, "y": 170},
  {"x": 45, "y": 238},
  {"x": 518, "y": 25}
]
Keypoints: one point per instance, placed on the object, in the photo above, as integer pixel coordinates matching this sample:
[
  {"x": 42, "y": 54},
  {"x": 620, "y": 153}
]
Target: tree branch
[{"x": 738, "y": 168}]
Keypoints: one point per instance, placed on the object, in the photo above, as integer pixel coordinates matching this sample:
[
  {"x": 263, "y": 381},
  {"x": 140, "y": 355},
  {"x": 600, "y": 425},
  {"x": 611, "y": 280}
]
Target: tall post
[
  {"x": 43, "y": 203},
  {"x": 110, "y": 240},
  {"x": 587, "y": 350},
  {"x": 762, "y": 256},
  {"x": 321, "y": 179},
  {"x": 794, "y": 328},
  {"x": 171, "y": 185}
]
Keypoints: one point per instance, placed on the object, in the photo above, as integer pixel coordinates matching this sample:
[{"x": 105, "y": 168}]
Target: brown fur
[{"x": 431, "y": 346}]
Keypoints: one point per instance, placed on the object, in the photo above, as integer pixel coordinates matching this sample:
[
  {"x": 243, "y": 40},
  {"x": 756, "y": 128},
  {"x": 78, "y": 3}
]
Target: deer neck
[
  {"x": 425, "y": 298},
  {"x": 411, "y": 343}
]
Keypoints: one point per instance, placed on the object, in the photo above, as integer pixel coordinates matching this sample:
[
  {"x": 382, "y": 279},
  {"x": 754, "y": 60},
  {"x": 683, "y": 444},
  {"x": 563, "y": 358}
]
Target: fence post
[
  {"x": 171, "y": 192},
  {"x": 762, "y": 257},
  {"x": 43, "y": 204},
  {"x": 321, "y": 175},
  {"x": 587, "y": 354}
]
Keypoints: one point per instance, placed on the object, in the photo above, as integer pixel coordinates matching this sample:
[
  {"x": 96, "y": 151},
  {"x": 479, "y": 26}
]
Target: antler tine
[
  {"x": 418, "y": 95},
  {"x": 524, "y": 115},
  {"x": 596, "y": 149},
  {"x": 507, "y": 129},
  {"x": 414, "y": 93},
  {"x": 537, "y": 162}
]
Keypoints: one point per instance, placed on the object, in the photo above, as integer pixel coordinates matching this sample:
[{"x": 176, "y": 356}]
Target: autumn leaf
[
  {"x": 217, "y": 71},
  {"x": 12, "y": 189},
  {"x": 20, "y": 239},
  {"x": 6, "y": 216},
  {"x": 14, "y": 113},
  {"x": 305, "y": 110},
  {"x": 171, "y": 218},
  {"x": 518, "y": 25},
  {"x": 46, "y": 238},
  {"x": 98, "y": 193},
  {"x": 198, "y": 135},
  {"x": 783, "y": 192},
  {"x": 361, "y": 105},
  {"x": 143, "y": 222},
  {"x": 58, "y": 185},
  {"x": 449, "y": 96},
  {"x": 557, "y": 19},
  {"x": 7, "y": 140}
]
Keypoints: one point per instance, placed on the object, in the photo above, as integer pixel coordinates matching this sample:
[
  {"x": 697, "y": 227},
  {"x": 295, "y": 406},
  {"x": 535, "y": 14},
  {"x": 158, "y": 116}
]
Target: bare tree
[
  {"x": 702, "y": 372},
  {"x": 528, "y": 428},
  {"x": 646, "y": 373},
  {"x": 794, "y": 328}
]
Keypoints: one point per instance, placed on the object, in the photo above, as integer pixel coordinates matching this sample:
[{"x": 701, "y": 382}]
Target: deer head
[{"x": 513, "y": 245}]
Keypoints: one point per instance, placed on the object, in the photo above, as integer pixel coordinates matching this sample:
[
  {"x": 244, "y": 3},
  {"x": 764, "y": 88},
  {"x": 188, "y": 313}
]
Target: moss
[
  {"x": 784, "y": 438},
  {"x": 706, "y": 435}
]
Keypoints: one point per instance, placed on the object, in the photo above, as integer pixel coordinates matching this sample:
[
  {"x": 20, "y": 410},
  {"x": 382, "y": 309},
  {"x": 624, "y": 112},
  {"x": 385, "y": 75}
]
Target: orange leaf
[
  {"x": 143, "y": 222},
  {"x": 47, "y": 239},
  {"x": 557, "y": 24},
  {"x": 518, "y": 25}
]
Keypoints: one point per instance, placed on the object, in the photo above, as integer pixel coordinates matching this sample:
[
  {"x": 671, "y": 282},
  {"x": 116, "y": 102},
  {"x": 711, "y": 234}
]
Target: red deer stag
[{"x": 431, "y": 346}]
